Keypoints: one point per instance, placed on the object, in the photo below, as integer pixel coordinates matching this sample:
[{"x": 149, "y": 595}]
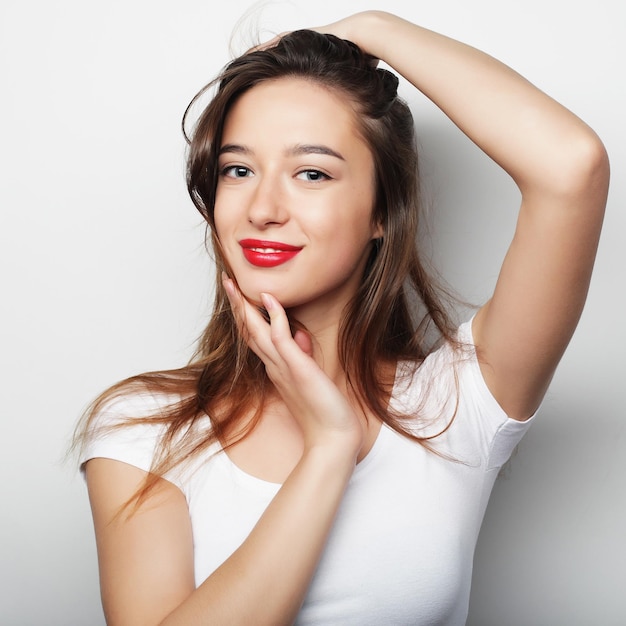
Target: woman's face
[{"x": 294, "y": 201}]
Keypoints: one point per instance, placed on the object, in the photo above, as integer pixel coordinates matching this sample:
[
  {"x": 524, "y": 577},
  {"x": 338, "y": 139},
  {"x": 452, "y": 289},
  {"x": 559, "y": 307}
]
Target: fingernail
[{"x": 267, "y": 301}]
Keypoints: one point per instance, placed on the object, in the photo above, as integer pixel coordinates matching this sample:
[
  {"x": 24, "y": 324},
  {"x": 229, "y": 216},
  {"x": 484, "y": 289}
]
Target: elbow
[{"x": 584, "y": 168}]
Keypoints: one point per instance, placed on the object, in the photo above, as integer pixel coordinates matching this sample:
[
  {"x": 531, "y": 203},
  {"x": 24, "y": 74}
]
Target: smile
[{"x": 267, "y": 253}]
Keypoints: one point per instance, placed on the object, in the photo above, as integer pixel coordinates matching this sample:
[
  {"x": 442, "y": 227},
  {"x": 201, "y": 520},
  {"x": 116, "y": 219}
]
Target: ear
[{"x": 377, "y": 230}]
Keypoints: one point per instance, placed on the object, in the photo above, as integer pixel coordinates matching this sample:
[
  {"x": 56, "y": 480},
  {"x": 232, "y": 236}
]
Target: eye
[
  {"x": 236, "y": 171},
  {"x": 312, "y": 176}
]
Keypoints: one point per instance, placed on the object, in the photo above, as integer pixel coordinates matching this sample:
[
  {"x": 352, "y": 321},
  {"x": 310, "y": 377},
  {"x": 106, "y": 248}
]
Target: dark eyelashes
[
  {"x": 241, "y": 171},
  {"x": 318, "y": 175}
]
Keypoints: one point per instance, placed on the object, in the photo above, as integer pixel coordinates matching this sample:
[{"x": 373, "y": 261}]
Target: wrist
[
  {"x": 368, "y": 30},
  {"x": 338, "y": 458}
]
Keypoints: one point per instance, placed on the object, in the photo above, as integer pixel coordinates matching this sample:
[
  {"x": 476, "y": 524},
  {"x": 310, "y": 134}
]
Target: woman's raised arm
[{"x": 562, "y": 171}]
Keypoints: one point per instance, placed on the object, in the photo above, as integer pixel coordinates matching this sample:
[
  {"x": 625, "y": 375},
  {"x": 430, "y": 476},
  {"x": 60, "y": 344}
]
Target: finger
[
  {"x": 304, "y": 342},
  {"x": 236, "y": 305},
  {"x": 250, "y": 323},
  {"x": 279, "y": 324},
  {"x": 288, "y": 347},
  {"x": 340, "y": 29}
]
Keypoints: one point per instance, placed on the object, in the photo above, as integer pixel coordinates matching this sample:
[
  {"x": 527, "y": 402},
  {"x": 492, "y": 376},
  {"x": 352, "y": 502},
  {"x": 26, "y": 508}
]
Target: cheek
[
  {"x": 220, "y": 219},
  {"x": 220, "y": 234},
  {"x": 347, "y": 247}
]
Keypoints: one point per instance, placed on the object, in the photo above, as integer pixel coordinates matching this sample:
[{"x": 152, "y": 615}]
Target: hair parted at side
[{"x": 397, "y": 306}]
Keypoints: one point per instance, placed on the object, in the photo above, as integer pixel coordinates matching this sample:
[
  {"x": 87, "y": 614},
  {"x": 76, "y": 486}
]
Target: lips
[{"x": 267, "y": 253}]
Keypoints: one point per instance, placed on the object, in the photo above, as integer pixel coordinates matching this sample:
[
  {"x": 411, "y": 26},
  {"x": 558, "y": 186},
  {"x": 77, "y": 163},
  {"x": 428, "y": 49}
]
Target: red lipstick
[{"x": 267, "y": 253}]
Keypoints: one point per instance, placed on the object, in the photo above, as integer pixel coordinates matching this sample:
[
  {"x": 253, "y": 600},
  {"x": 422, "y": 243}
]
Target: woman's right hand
[
  {"x": 349, "y": 27},
  {"x": 146, "y": 559},
  {"x": 322, "y": 411},
  {"x": 354, "y": 28}
]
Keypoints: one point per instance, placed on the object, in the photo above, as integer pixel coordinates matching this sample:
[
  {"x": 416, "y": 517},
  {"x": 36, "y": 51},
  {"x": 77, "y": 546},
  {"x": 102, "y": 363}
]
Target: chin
[
  {"x": 252, "y": 293},
  {"x": 253, "y": 286},
  {"x": 254, "y": 296}
]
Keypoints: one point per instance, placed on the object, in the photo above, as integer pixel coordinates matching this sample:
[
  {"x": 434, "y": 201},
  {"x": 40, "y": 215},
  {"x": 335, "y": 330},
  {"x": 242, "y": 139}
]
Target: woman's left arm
[{"x": 562, "y": 171}]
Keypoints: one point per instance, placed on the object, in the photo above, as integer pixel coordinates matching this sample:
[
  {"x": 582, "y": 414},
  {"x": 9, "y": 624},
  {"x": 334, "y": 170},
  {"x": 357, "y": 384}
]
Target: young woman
[{"x": 320, "y": 461}]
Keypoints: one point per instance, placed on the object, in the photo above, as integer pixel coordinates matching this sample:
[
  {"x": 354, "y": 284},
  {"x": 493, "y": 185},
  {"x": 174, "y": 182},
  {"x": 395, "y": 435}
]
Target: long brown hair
[{"x": 397, "y": 306}]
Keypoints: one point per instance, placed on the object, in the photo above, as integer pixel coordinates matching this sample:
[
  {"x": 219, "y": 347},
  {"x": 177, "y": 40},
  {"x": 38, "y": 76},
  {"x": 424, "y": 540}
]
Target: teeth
[{"x": 265, "y": 250}]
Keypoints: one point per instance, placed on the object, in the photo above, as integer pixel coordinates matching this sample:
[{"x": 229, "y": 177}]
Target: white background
[{"x": 104, "y": 275}]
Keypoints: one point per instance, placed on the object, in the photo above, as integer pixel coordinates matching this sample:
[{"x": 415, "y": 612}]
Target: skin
[
  {"x": 306, "y": 178},
  {"x": 561, "y": 169},
  {"x": 276, "y": 185}
]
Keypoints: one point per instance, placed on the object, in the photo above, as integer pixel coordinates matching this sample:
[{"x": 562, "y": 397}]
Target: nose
[{"x": 267, "y": 205}]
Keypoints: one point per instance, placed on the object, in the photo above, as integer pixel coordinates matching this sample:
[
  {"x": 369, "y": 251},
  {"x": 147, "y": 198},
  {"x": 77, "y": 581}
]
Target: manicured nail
[{"x": 266, "y": 299}]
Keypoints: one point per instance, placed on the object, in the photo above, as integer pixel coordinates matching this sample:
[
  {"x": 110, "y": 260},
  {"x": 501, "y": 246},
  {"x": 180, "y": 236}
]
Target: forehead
[{"x": 292, "y": 110}]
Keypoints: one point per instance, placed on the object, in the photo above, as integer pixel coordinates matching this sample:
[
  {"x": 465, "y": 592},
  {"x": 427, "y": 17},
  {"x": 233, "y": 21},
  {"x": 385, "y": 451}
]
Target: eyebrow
[
  {"x": 307, "y": 148},
  {"x": 297, "y": 150}
]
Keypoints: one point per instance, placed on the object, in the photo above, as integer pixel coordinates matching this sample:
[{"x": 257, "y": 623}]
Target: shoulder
[
  {"x": 131, "y": 407},
  {"x": 127, "y": 427}
]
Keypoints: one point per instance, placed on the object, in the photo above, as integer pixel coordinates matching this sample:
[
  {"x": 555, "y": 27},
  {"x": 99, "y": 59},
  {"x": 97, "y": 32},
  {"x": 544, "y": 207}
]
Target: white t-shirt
[{"x": 402, "y": 545}]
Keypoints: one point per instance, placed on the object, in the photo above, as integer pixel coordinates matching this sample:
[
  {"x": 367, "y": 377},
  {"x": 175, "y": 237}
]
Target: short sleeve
[
  {"x": 111, "y": 436},
  {"x": 504, "y": 433},
  {"x": 448, "y": 402}
]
